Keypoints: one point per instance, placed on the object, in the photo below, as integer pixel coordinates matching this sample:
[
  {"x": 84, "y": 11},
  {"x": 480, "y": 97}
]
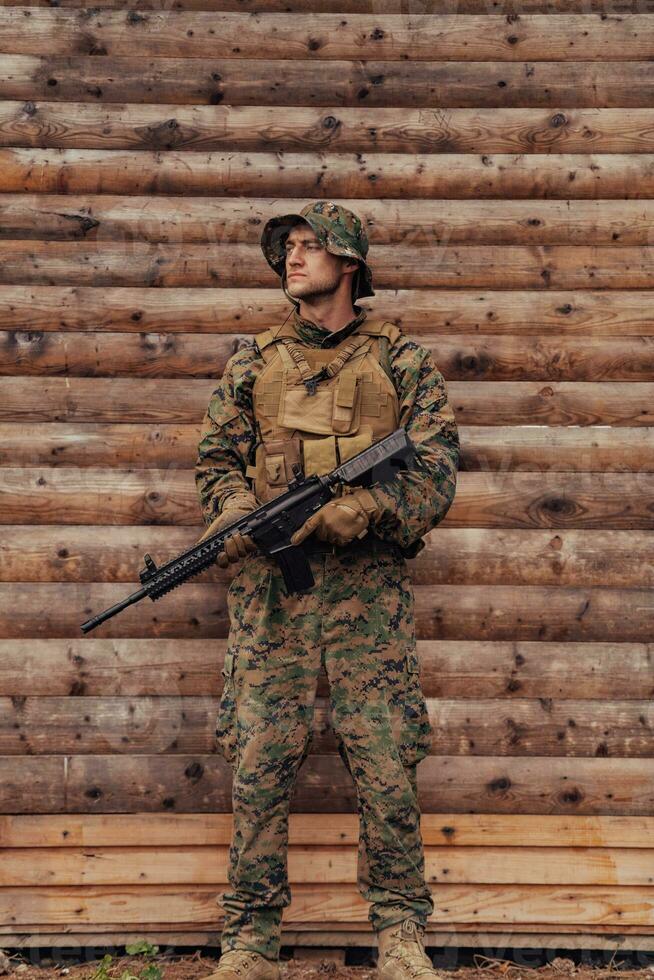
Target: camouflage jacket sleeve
[
  {"x": 228, "y": 435},
  {"x": 419, "y": 498}
]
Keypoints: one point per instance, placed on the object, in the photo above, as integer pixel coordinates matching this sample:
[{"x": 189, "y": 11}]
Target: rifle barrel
[{"x": 90, "y": 624}]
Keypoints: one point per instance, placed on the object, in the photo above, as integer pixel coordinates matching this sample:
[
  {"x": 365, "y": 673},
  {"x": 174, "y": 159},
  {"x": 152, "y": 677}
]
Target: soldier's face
[{"x": 310, "y": 269}]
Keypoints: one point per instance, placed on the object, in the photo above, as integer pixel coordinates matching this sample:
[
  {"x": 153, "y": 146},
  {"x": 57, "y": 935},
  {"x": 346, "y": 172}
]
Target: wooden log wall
[{"x": 503, "y": 160}]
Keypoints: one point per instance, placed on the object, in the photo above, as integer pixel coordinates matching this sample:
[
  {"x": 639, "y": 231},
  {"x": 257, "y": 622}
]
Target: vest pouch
[
  {"x": 347, "y": 403},
  {"x": 334, "y": 407},
  {"x": 300, "y": 410},
  {"x": 349, "y": 446},
  {"x": 275, "y": 470},
  {"x": 319, "y": 455},
  {"x": 274, "y": 467}
]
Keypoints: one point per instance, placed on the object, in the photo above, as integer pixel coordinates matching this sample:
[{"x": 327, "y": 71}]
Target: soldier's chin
[
  {"x": 306, "y": 290},
  {"x": 296, "y": 288}
]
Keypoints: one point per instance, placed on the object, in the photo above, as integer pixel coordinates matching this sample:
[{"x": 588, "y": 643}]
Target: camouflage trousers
[{"x": 357, "y": 622}]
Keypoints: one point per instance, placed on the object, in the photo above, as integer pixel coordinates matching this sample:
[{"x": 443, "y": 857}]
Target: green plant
[{"x": 141, "y": 948}]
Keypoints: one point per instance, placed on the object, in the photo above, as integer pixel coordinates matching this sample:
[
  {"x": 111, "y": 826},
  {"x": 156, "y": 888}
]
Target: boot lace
[
  {"x": 244, "y": 957},
  {"x": 416, "y": 963},
  {"x": 413, "y": 968}
]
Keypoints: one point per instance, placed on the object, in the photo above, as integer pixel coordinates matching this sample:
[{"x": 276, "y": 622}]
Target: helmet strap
[{"x": 291, "y": 299}]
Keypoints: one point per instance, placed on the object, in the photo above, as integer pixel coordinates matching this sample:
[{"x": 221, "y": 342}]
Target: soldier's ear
[{"x": 349, "y": 265}]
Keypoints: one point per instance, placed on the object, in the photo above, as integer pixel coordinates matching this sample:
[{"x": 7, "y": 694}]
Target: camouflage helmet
[{"x": 338, "y": 229}]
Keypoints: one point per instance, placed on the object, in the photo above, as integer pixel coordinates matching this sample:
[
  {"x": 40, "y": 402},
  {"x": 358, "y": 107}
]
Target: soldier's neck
[
  {"x": 329, "y": 316},
  {"x": 312, "y": 333}
]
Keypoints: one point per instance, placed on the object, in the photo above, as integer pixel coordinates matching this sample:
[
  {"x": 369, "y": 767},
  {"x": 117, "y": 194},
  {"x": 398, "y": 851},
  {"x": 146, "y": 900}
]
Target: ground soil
[{"x": 200, "y": 964}]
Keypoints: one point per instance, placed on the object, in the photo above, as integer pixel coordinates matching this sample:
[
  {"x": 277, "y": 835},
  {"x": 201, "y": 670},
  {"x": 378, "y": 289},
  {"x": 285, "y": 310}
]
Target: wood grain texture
[
  {"x": 449, "y": 37},
  {"x": 410, "y": 223},
  {"x": 185, "y": 725},
  {"x": 455, "y": 556},
  {"x": 587, "y": 313},
  {"x": 195, "y": 905},
  {"x": 455, "y": 830},
  {"x": 463, "y": 669},
  {"x": 292, "y": 173},
  {"x": 460, "y": 358},
  {"x": 200, "y": 783},
  {"x": 484, "y": 403},
  {"x": 513, "y": 266},
  {"x": 323, "y": 865},
  {"x": 446, "y": 612},
  {"x": 80, "y": 125},
  {"x": 377, "y": 7},
  {"x": 95, "y": 495},
  {"x": 370, "y": 83},
  {"x": 483, "y": 448}
]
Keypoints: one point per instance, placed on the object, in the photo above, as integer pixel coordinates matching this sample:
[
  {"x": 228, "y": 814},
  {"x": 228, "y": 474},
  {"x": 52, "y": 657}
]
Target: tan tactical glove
[
  {"x": 342, "y": 519},
  {"x": 237, "y": 545}
]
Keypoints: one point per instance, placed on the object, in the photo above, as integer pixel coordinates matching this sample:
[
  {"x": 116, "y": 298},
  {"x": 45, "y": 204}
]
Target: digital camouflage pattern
[
  {"x": 412, "y": 504},
  {"x": 337, "y": 228},
  {"x": 358, "y": 623}
]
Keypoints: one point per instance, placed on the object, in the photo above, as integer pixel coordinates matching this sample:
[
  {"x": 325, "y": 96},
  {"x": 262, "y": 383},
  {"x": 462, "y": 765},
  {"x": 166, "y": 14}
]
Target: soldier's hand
[
  {"x": 236, "y": 545},
  {"x": 342, "y": 519}
]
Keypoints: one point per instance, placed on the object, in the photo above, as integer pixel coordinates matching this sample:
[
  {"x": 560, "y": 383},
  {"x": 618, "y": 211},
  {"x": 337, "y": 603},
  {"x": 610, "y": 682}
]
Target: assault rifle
[{"x": 272, "y": 525}]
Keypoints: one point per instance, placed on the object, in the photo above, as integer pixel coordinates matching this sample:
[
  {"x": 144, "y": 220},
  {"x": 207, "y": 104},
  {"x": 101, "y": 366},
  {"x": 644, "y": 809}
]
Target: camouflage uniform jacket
[{"x": 412, "y": 504}]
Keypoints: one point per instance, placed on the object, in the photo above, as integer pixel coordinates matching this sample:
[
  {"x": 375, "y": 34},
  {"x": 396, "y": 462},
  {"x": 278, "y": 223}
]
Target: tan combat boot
[
  {"x": 401, "y": 953},
  {"x": 244, "y": 964}
]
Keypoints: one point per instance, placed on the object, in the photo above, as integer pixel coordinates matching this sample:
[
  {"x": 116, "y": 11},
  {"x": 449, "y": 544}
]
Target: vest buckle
[{"x": 311, "y": 383}]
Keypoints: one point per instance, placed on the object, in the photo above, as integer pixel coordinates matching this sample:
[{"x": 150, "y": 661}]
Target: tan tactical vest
[{"x": 318, "y": 425}]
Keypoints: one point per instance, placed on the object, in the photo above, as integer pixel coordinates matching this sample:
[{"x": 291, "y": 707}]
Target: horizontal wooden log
[
  {"x": 196, "y": 905},
  {"x": 150, "y": 446},
  {"x": 473, "y": 784},
  {"x": 377, "y": 7},
  {"x": 494, "y": 940},
  {"x": 489, "y": 358},
  {"x": 124, "y": 400},
  {"x": 542, "y": 448},
  {"x": 373, "y": 84},
  {"x": 90, "y": 495},
  {"x": 443, "y": 612},
  {"x": 81, "y": 553},
  {"x": 411, "y": 223},
  {"x": 79, "y": 667},
  {"x": 185, "y": 725},
  {"x": 321, "y": 830},
  {"x": 185, "y": 355},
  {"x": 45, "y": 777},
  {"x": 455, "y": 556},
  {"x": 344, "y": 175},
  {"x": 470, "y": 266},
  {"x": 485, "y": 403},
  {"x": 587, "y": 313},
  {"x": 486, "y": 448},
  {"x": 394, "y": 37},
  {"x": 80, "y": 125},
  {"x": 554, "y": 403},
  {"x": 117, "y": 354},
  {"x": 147, "y": 496},
  {"x": 332, "y": 865},
  {"x": 449, "y": 668}
]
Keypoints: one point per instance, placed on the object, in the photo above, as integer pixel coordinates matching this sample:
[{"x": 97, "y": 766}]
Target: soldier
[{"x": 312, "y": 392}]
